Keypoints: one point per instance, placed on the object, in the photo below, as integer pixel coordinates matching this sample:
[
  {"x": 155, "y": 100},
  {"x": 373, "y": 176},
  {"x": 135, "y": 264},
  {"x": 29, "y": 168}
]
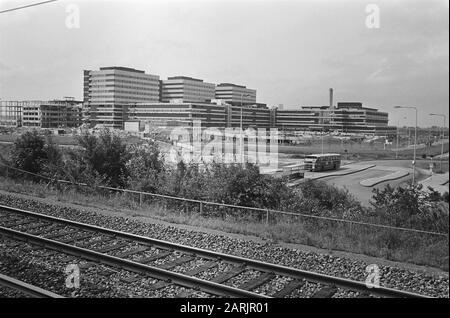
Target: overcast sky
[{"x": 290, "y": 51}]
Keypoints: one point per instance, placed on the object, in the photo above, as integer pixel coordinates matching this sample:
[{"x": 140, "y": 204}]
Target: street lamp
[
  {"x": 443, "y": 136},
  {"x": 415, "y": 141}
]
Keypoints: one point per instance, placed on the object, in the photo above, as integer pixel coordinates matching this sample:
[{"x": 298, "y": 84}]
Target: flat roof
[
  {"x": 185, "y": 78},
  {"x": 121, "y": 68},
  {"x": 231, "y": 84}
]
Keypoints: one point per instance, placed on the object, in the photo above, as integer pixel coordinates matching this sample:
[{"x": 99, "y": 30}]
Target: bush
[
  {"x": 34, "y": 153},
  {"x": 411, "y": 207},
  {"x": 107, "y": 155},
  {"x": 145, "y": 167}
]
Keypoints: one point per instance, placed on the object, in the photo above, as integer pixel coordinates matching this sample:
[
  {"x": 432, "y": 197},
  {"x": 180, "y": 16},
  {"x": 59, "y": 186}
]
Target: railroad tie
[
  {"x": 68, "y": 259},
  {"x": 228, "y": 275},
  {"x": 158, "y": 285},
  {"x": 112, "y": 247},
  {"x": 178, "y": 261},
  {"x": 188, "y": 294},
  {"x": 289, "y": 288},
  {"x": 325, "y": 292},
  {"x": 105, "y": 239},
  {"x": 201, "y": 269},
  {"x": 107, "y": 272},
  {"x": 36, "y": 225},
  {"x": 257, "y": 281},
  {"x": 185, "y": 294},
  {"x": 14, "y": 224},
  {"x": 133, "y": 251},
  {"x": 76, "y": 238},
  {"x": 41, "y": 230},
  {"x": 154, "y": 257},
  {"x": 130, "y": 279},
  {"x": 87, "y": 265},
  {"x": 13, "y": 244}
]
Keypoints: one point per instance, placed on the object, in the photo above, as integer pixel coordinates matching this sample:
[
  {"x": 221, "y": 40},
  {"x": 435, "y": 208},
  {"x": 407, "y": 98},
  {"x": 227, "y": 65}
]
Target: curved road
[{"x": 364, "y": 194}]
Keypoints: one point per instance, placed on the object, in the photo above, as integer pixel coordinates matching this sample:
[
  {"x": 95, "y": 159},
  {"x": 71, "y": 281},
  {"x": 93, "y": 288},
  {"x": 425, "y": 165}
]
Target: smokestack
[{"x": 331, "y": 98}]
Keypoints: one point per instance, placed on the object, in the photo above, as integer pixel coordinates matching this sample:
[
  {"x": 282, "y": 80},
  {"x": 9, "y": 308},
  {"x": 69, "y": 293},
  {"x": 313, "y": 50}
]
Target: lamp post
[
  {"x": 415, "y": 141},
  {"x": 443, "y": 136}
]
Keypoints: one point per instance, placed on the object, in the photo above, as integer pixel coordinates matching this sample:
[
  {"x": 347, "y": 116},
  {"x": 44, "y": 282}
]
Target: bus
[{"x": 321, "y": 162}]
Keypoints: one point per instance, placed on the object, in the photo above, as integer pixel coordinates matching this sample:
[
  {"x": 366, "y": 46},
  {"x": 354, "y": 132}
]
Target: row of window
[
  {"x": 143, "y": 77},
  {"x": 115, "y": 92}
]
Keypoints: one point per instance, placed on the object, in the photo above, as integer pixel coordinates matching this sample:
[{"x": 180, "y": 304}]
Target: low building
[
  {"x": 11, "y": 113},
  {"x": 52, "y": 114}
]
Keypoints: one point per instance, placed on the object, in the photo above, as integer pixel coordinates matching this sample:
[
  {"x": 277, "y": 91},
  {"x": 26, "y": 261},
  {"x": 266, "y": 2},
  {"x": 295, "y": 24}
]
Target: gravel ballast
[{"x": 393, "y": 277}]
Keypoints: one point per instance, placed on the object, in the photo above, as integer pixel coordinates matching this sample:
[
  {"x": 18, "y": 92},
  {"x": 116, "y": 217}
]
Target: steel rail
[
  {"x": 154, "y": 272},
  {"x": 255, "y": 264},
  {"x": 26, "y": 288}
]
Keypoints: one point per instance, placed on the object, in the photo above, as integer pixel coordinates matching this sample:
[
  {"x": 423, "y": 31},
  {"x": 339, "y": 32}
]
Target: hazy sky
[{"x": 290, "y": 51}]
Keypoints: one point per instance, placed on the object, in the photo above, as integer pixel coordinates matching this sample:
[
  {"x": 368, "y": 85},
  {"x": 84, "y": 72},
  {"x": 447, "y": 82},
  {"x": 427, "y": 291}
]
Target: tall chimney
[{"x": 331, "y": 98}]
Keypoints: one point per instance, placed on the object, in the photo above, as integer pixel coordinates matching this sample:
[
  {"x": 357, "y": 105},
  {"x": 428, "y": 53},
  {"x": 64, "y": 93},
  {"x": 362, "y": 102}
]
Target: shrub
[{"x": 107, "y": 155}]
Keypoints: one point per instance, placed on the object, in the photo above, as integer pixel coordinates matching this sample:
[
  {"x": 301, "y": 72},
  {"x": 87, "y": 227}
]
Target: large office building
[
  {"x": 236, "y": 95},
  {"x": 345, "y": 118},
  {"x": 350, "y": 117},
  {"x": 249, "y": 117},
  {"x": 176, "y": 113},
  {"x": 109, "y": 91},
  {"x": 187, "y": 89},
  {"x": 115, "y": 95},
  {"x": 213, "y": 114}
]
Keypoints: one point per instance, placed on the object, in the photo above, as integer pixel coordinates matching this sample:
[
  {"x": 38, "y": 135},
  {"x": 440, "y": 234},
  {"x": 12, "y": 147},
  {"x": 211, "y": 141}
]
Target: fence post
[
  {"x": 201, "y": 208},
  {"x": 140, "y": 199},
  {"x": 267, "y": 216}
]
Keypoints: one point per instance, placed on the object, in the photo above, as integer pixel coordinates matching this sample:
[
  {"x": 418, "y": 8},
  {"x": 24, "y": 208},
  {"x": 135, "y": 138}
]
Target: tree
[
  {"x": 28, "y": 152},
  {"x": 107, "y": 155},
  {"x": 145, "y": 168}
]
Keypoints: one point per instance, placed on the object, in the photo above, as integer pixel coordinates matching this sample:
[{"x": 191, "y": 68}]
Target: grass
[{"x": 397, "y": 246}]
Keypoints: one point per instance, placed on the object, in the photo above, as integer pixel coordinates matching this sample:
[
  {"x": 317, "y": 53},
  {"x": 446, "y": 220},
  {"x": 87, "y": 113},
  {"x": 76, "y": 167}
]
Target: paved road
[{"x": 362, "y": 193}]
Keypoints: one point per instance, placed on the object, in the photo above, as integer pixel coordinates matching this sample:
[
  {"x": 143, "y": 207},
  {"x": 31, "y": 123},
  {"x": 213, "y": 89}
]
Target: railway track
[
  {"x": 25, "y": 288},
  {"x": 197, "y": 270}
]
